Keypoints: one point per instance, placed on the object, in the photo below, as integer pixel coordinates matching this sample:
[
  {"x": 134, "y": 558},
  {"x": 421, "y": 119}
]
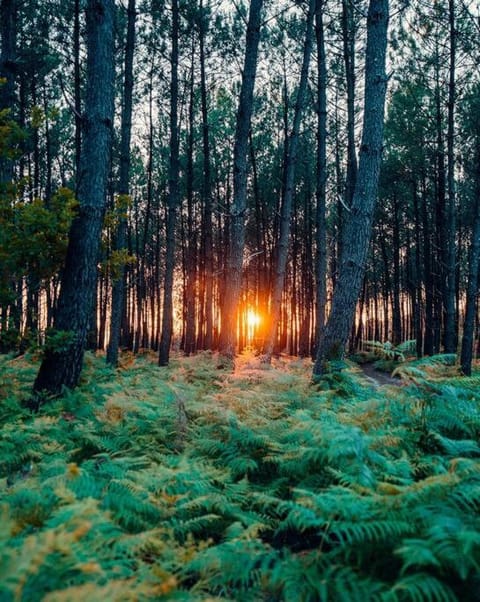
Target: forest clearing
[{"x": 194, "y": 483}]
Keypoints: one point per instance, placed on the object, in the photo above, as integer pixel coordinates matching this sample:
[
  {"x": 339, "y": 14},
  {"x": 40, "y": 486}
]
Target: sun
[{"x": 253, "y": 319}]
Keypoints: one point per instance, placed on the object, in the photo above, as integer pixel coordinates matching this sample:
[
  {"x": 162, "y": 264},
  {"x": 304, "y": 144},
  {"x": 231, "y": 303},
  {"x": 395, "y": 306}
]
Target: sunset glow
[
  {"x": 253, "y": 319},
  {"x": 252, "y": 322}
]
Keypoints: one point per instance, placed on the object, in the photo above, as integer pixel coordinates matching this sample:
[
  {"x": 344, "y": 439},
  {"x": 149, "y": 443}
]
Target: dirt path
[{"x": 377, "y": 377}]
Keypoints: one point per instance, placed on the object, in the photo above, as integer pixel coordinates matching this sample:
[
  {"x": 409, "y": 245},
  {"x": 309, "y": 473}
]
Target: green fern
[
  {"x": 390, "y": 352},
  {"x": 420, "y": 587},
  {"x": 282, "y": 490}
]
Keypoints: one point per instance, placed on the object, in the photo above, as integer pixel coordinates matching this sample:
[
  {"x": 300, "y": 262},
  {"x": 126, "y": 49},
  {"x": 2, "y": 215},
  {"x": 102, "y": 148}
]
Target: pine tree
[
  {"x": 234, "y": 262},
  {"x": 288, "y": 190},
  {"x": 358, "y": 227},
  {"x": 118, "y": 288},
  {"x": 63, "y": 359},
  {"x": 167, "y": 314}
]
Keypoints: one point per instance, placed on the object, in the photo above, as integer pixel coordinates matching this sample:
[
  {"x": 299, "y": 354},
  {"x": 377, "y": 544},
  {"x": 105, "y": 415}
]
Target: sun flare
[{"x": 253, "y": 319}]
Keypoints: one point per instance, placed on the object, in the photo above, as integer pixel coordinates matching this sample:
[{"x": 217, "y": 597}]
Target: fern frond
[
  {"x": 454, "y": 448},
  {"x": 372, "y": 531},
  {"x": 420, "y": 587}
]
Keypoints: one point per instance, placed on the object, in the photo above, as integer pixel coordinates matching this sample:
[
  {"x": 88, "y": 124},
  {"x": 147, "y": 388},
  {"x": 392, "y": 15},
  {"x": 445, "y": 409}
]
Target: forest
[{"x": 239, "y": 323}]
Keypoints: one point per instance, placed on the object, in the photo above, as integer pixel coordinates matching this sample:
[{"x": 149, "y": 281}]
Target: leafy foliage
[
  {"x": 33, "y": 237},
  {"x": 189, "y": 483},
  {"x": 33, "y": 231},
  {"x": 11, "y": 135}
]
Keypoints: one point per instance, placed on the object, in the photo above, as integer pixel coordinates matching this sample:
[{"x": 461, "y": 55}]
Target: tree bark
[
  {"x": 234, "y": 263},
  {"x": 167, "y": 310},
  {"x": 118, "y": 288},
  {"x": 348, "y": 32},
  {"x": 472, "y": 291},
  {"x": 396, "y": 316},
  {"x": 450, "y": 335},
  {"x": 142, "y": 239},
  {"x": 288, "y": 191},
  {"x": 191, "y": 267},
  {"x": 418, "y": 278},
  {"x": 77, "y": 84},
  {"x": 62, "y": 363},
  {"x": 359, "y": 224},
  {"x": 466, "y": 355},
  {"x": 206, "y": 190},
  {"x": 321, "y": 175}
]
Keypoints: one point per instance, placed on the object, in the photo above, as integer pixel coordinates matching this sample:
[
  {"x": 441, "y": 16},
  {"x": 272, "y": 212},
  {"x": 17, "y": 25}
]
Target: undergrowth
[{"x": 192, "y": 483}]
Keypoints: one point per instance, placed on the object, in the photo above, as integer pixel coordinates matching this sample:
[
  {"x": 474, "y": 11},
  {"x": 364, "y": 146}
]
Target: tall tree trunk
[
  {"x": 292, "y": 291},
  {"x": 427, "y": 274},
  {"x": 62, "y": 363},
  {"x": 191, "y": 267},
  {"x": 35, "y": 182},
  {"x": 339, "y": 189},
  {"x": 118, "y": 288},
  {"x": 206, "y": 190},
  {"x": 348, "y": 33},
  {"x": 396, "y": 317},
  {"x": 77, "y": 85},
  {"x": 141, "y": 240},
  {"x": 167, "y": 310},
  {"x": 288, "y": 191},
  {"x": 387, "y": 286},
  {"x": 306, "y": 341},
  {"x": 450, "y": 335},
  {"x": 440, "y": 271},
  {"x": 233, "y": 271},
  {"x": 262, "y": 244},
  {"x": 473, "y": 277},
  {"x": 359, "y": 224},
  {"x": 321, "y": 174},
  {"x": 48, "y": 152},
  {"x": 417, "y": 271}
]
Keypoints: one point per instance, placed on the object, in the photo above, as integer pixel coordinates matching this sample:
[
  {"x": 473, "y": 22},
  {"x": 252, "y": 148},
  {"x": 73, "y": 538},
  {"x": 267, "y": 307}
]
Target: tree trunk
[
  {"x": 191, "y": 267},
  {"x": 321, "y": 174},
  {"x": 48, "y": 153},
  {"x": 359, "y": 224},
  {"x": 440, "y": 267},
  {"x": 167, "y": 310},
  {"x": 62, "y": 363},
  {"x": 427, "y": 274},
  {"x": 348, "y": 33},
  {"x": 396, "y": 316},
  {"x": 77, "y": 81},
  {"x": 118, "y": 288},
  {"x": 206, "y": 190},
  {"x": 450, "y": 336},
  {"x": 339, "y": 189},
  {"x": 288, "y": 191},
  {"x": 473, "y": 274},
  {"x": 234, "y": 263},
  {"x": 472, "y": 293},
  {"x": 418, "y": 277},
  {"x": 306, "y": 342},
  {"x": 141, "y": 244}
]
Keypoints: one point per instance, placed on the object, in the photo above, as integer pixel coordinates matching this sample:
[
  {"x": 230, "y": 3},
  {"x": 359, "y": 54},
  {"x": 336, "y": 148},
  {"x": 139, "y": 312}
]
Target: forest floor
[
  {"x": 378, "y": 377},
  {"x": 194, "y": 483}
]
